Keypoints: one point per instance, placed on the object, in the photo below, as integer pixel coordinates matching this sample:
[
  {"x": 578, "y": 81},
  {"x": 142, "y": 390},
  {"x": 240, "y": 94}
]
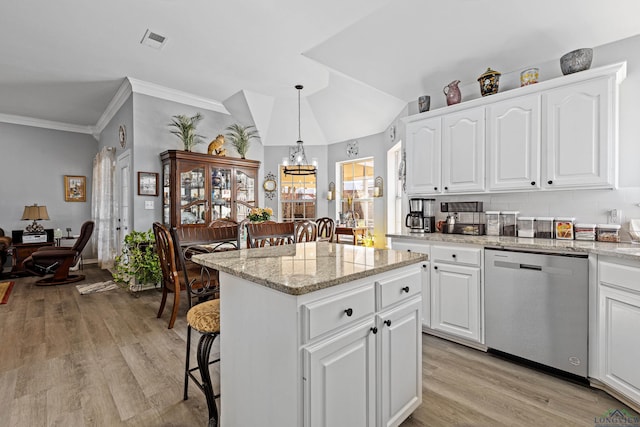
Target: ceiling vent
[{"x": 153, "y": 40}]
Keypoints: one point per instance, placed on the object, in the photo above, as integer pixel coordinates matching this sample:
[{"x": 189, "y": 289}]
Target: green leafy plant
[
  {"x": 185, "y": 129},
  {"x": 138, "y": 260},
  {"x": 241, "y": 136}
]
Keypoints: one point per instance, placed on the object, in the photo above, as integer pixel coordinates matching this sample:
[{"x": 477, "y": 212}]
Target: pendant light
[{"x": 297, "y": 155}]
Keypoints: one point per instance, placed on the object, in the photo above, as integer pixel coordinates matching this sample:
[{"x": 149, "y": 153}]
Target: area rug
[
  {"x": 96, "y": 287},
  {"x": 5, "y": 290}
]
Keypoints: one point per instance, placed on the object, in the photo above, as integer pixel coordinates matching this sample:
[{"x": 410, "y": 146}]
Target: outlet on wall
[{"x": 615, "y": 216}]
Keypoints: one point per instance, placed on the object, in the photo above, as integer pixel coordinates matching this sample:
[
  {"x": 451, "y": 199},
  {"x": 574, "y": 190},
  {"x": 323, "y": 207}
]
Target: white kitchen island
[{"x": 319, "y": 334}]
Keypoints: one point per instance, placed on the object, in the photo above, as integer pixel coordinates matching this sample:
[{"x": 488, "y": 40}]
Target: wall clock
[
  {"x": 352, "y": 149},
  {"x": 122, "y": 136}
]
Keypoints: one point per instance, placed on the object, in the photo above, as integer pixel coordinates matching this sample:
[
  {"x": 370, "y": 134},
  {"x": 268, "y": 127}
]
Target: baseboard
[
  {"x": 458, "y": 340},
  {"x": 615, "y": 394}
]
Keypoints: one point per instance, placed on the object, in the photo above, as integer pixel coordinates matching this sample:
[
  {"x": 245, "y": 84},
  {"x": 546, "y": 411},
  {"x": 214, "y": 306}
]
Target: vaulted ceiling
[{"x": 361, "y": 61}]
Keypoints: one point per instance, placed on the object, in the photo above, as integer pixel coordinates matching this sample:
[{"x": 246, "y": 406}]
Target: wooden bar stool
[{"x": 204, "y": 318}]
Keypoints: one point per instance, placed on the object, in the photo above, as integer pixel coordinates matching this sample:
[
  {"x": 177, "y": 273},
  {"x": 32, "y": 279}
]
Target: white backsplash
[{"x": 587, "y": 206}]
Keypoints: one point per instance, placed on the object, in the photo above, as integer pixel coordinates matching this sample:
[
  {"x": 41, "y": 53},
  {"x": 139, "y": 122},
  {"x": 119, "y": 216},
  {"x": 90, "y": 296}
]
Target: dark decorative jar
[
  {"x": 576, "y": 60},
  {"x": 489, "y": 82}
]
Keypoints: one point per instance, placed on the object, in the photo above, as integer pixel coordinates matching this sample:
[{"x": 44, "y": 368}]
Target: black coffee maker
[{"x": 421, "y": 217}]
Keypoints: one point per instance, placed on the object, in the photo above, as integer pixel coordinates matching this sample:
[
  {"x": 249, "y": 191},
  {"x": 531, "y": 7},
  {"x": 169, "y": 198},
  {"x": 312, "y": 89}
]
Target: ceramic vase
[{"x": 452, "y": 92}]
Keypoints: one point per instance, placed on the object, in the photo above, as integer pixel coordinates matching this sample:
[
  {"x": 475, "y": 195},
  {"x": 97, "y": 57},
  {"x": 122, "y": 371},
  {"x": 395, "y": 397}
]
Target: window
[
  {"x": 357, "y": 190},
  {"x": 297, "y": 196}
]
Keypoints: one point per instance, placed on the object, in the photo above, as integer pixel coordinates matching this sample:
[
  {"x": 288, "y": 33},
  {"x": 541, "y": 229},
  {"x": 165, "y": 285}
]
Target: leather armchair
[{"x": 57, "y": 261}]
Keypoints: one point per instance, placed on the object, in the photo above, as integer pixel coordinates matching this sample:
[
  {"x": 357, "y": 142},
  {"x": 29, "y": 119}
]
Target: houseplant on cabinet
[
  {"x": 185, "y": 129},
  {"x": 241, "y": 136},
  {"x": 138, "y": 266}
]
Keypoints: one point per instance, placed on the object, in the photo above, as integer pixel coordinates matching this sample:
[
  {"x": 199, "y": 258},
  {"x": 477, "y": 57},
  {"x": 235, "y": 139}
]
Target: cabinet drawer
[
  {"x": 410, "y": 246},
  {"x": 336, "y": 311},
  {"x": 398, "y": 288},
  {"x": 619, "y": 275},
  {"x": 456, "y": 255}
]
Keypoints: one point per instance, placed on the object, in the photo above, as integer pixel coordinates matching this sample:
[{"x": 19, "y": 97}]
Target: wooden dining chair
[
  {"x": 326, "y": 229},
  {"x": 306, "y": 231},
  {"x": 270, "y": 233},
  {"x": 171, "y": 282}
]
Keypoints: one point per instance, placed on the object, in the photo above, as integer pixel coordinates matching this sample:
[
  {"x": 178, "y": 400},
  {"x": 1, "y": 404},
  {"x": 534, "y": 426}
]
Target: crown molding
[
  {"x": 47, "y": 124},
  {"x": 121, "y": 96},
  {"x": 128, "y": 86},
  {"x": 152, "y": 89}
]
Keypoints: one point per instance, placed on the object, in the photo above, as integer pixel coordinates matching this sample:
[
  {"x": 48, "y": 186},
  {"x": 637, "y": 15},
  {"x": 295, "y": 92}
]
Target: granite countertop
[
  {"x": 621, "y": 250},
  {"x": 307, "y": 267}
]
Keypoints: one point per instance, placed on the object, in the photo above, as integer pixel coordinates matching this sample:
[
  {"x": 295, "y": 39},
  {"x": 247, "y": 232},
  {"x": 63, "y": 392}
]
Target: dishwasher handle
[{"x": 518, "y": 266}]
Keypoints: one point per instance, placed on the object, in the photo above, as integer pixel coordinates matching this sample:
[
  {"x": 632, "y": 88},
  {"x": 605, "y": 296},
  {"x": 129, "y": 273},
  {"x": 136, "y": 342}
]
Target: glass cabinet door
[
  {"x": 245, "y": 194},
  {"x": 193, "y": 203},
  {"x": 220, "y": 193}
]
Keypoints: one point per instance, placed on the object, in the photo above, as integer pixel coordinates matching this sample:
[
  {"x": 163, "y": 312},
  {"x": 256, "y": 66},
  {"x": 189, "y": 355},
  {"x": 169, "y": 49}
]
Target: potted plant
[
  {"x": 138, "y": 265},
  {"x": 241, "y": 136},
  {"x": 185, "y": 129}
]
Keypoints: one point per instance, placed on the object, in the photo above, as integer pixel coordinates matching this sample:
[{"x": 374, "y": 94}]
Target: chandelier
[{"x": 297, "y": 156}]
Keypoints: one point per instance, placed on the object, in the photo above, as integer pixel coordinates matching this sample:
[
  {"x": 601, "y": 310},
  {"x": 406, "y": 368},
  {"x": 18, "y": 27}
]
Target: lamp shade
[{"x": 35, "y": 212}]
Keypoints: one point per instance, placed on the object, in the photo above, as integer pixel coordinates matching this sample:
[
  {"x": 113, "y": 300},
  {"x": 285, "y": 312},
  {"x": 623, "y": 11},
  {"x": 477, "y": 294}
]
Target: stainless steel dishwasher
[{"x": 536, "y": 307}]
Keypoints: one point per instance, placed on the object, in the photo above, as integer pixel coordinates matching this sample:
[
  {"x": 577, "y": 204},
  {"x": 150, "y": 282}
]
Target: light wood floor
[{"x": 105, "y": 360}]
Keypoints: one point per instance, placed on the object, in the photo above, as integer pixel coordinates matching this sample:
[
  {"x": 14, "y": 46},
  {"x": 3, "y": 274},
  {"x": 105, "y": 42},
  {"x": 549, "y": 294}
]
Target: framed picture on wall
[
  {"x": 147, "y": 184},
  {"x": 75, "y": 188}
]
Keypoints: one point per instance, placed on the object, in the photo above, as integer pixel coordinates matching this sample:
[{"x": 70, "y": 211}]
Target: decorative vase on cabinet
[{"x": 452, "y": 92}]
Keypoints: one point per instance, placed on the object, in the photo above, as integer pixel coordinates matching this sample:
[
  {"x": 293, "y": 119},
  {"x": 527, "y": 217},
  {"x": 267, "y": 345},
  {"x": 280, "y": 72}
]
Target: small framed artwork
[
  {"x": 147, "y": 184},
  {"x": 75, "y": 188}
]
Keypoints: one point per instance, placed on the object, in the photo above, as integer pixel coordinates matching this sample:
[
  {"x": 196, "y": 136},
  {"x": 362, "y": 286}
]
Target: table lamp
[{"x": 35, "y": 213}]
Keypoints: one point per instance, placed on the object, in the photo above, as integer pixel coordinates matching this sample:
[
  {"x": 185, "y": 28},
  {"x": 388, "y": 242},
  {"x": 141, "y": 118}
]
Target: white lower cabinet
[
  {"x": 400, "y": 357},
  {"x": 455, "y": 300},
  {"x": 368, "y": 372},
  {"x": 339, "y": 379},
  {"x": 456, "y": 292},
  {"x": 618, "y": 322}
]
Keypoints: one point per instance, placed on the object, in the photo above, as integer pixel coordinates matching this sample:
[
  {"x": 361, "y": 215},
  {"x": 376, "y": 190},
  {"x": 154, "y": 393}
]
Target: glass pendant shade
[{"x": 297, "y": 156}]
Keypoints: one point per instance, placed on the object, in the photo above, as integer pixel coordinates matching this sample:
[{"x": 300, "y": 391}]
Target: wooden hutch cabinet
[{"x": 198, "y": 188}]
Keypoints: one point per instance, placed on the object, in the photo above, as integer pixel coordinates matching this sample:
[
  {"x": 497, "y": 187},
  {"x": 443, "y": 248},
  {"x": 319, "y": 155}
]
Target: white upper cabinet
[
  {"x": 463, "y": 151},
  {"x": 580, "y": 143},
  {"x": 513, "y": 144},
  {"x": 557, "y": 134},
  {"x": 423, "y": 156}
]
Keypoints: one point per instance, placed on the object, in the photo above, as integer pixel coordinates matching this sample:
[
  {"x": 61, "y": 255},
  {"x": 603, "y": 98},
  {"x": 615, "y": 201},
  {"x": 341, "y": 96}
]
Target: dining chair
[
  {"x": 306, "y": 231},
  {"x": 270, "y": 233},
  {"x": 326, "y": 229},
  {"x": 171, "y": 282}
]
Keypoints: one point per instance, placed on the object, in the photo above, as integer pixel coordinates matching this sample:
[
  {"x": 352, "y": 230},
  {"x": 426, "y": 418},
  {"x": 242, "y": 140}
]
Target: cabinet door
[
  {"x": 246, "y": 193},
  {"x": 463, "y": 151},
  {"x": 455, "y": 300},
  {"x": 401, "y": 360},
  {"x": 340, "y": 379},
  {"x": 619, "y": 348},
  {"x": 513, "y": 144},
  {"x": 192, "y": 193},
  {"x": 580, "y": 144},
  {"x": 221, "y": 188},
  {"x": 423, "y": 156}
]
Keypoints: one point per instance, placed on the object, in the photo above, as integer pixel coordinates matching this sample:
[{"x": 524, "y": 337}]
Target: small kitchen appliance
[
  {"x": 464, "y": 218},
  {"x": 421, "y": 217}
]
